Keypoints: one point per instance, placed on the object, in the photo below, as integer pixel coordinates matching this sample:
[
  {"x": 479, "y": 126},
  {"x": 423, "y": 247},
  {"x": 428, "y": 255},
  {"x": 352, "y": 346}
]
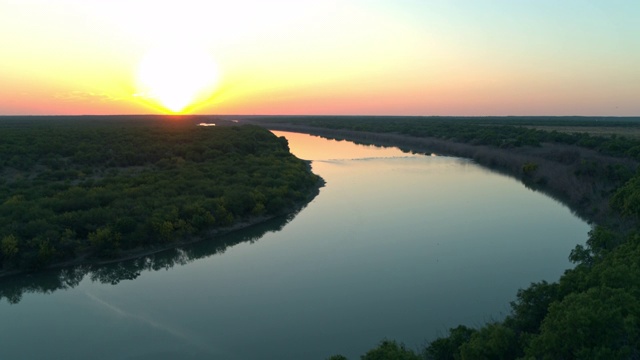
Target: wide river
[{"x": 395, "y": 246}]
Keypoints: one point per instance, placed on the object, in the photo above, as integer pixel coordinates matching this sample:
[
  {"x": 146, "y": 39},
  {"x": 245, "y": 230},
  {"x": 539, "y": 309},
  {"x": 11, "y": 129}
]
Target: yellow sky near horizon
[{"x": 375, "y": 57}]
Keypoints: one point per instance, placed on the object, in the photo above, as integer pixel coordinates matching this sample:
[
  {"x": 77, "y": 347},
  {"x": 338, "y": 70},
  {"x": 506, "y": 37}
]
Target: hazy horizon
[
  {"x": 324, "y": 115},
  {"x": 350, "y": 57}
]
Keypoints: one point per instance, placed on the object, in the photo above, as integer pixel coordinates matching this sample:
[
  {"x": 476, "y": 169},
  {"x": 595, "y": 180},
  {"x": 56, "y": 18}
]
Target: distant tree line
[
  {"x": 583, "y": 178},
  {"x": 72, "y": 189},
  {"x": 501, "y": 132}
]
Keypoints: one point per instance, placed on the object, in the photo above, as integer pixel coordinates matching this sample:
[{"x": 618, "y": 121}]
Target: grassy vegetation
[
  {"x": 593, "y": 311},
  {"x": 87, "y": 188}
]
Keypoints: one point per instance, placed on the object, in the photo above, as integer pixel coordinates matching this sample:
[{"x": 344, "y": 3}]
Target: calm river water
[{"x": 395, "y": 246}]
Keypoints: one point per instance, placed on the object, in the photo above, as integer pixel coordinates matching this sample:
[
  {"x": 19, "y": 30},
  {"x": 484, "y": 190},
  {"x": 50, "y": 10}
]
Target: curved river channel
[{"x": 395, "y": 246}]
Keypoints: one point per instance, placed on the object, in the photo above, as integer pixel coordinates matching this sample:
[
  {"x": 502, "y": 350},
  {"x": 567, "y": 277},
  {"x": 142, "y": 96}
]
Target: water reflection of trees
[{"x": 13, "y": 288}]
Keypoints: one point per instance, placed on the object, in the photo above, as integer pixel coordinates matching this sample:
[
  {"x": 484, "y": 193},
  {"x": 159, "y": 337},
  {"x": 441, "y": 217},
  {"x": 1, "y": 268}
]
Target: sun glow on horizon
[
  {"x": 319, "y": 57},
  {"x": 176, "y": 79}
]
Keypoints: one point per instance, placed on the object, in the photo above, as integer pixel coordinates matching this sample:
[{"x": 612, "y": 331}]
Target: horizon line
[{"x": 321, "y": 115}]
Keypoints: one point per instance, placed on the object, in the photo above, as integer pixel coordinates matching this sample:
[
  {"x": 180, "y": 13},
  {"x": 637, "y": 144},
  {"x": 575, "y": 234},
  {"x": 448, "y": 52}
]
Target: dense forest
[
  {"x": 85, "y": 189},
  {"x": 593, "y": 310}
]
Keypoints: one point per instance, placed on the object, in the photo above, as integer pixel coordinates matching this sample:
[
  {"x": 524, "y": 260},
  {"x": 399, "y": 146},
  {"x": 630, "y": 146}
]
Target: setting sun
[
  {"x": 319, "y": 57},
  {"x": 176, "y": 79}
]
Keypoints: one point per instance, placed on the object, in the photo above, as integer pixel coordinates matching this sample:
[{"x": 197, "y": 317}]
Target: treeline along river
[{"x": 396, "y": 245}]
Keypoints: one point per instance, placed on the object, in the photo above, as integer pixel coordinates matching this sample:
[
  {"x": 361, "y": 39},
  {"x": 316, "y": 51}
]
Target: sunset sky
[{"x": 378, "y": 57}]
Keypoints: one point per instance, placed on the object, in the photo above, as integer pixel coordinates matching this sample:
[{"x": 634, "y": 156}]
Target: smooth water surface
[{"x": 395, "y": 246}]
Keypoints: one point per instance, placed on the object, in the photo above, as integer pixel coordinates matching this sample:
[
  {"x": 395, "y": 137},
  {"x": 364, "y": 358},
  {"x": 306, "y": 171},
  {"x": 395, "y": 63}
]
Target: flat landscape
[
  {"x": 630, "y": 130},
  {"x": 367, "y": 180},
  {"x": 79, "y": 204}
]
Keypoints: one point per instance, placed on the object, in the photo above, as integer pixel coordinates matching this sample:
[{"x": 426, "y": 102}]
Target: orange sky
[{"x": 377, "y": 57}]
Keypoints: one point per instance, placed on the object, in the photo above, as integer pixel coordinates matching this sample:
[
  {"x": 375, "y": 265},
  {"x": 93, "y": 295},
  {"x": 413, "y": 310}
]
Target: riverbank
[
  {"x": 87, "y": 259},
  {"x": 573, "y": 175},
  {"x": 210, "y": 235}
]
